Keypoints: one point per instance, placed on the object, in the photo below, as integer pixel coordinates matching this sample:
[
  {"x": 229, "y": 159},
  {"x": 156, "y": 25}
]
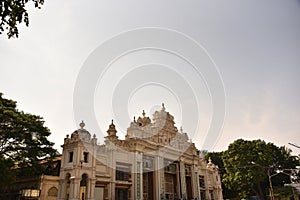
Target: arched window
[
  {"x": 83, "y": 181},
  {"x": 67, "y": 179},
  {"x": 52, "y": 192}
]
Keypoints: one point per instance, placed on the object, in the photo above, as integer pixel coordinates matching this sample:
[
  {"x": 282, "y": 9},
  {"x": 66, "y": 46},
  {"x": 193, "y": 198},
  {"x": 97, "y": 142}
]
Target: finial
[
  {"x": 134, "y": 119},
  {"x": 181, "y": 129},
  {"x": 94, "y": 136},
  {"x": 163, "y": 107},
  {"x": 143, "y": 113},
  {"x": 209, "y": 160},
  {"x": 82, "y": 124},
  {"x": 112, "y": 121}
]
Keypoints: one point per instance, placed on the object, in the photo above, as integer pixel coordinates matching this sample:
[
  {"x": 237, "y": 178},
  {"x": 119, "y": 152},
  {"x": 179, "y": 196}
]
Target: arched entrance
[{"x": 83, "y": 187}]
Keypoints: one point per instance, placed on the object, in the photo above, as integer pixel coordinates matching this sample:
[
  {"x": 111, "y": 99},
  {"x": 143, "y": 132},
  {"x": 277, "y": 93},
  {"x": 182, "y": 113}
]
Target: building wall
[
  {"x": 49, "y": 187},
  {"x": 160, "y": 165}
]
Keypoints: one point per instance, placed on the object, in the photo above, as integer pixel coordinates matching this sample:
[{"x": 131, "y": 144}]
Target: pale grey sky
[{"x": 255, "y": 45}]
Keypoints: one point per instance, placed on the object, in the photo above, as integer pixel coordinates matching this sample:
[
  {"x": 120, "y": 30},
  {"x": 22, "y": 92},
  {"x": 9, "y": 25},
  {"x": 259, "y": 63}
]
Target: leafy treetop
[
  {"x": 23, "y": 142},
  {"x": 12, "y": 13},
  {"x": 247, "y": 164}
]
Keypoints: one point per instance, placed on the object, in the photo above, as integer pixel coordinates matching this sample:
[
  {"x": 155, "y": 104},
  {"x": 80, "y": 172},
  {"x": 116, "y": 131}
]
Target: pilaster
[
  {"x": 138, "y": 176},
  {"x": 182, "y": 176},
  {"x": 75, "y": 188},
  {"x": 61, "y": 191},
  {"x": 195, "y": 181},
  {"x": 91, "y": 189},
  {"x": 159, "y": 177}
]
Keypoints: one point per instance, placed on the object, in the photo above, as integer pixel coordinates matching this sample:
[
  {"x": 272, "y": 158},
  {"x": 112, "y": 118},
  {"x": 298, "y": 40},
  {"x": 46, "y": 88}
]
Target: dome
[{"x": 82, "y": 133}]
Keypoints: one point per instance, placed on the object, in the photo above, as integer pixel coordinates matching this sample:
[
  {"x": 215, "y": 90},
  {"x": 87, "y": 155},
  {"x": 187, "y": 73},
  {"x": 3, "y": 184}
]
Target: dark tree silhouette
[{"x": 23, "y": 143}]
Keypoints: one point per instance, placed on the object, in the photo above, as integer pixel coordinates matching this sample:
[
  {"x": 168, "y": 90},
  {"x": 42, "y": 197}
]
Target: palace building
[{"x": 155, "y": 161}]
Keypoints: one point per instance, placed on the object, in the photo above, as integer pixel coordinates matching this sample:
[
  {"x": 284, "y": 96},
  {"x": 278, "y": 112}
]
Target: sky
[{"x": 253, "y": 46}]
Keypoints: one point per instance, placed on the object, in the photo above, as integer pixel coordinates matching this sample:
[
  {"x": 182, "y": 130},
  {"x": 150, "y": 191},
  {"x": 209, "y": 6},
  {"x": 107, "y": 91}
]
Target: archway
[
  {"x": 52, "y": 192},
  {"x": 83, "y": 186}
]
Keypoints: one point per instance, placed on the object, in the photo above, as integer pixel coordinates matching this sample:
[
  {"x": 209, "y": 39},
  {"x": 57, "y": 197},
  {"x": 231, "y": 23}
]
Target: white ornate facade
[{"x": 155, "y": 161}]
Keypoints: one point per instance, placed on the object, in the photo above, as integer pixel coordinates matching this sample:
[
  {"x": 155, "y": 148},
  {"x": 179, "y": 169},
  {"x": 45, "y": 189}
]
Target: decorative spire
[
  {"x": 134, "y": 119},
  {"x": 163, "y": 107},
  {"x": 94, "y": 140},
  {"x": 143, "y": 113},
  {"x": 181, "y": 129},
  {"x": 112, "y": 129},
  {"x": 112, "y": 126},
  {"x": 210, "y": 164},
  {"x": 82, "y": 124}
]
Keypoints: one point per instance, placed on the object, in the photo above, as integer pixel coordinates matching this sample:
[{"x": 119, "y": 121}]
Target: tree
[
  {"x": 6, "y": 174},
  {"x": 250, "y": 164},
  {"x": 23, "y": 142},
  {"x": 13, "y": 12}
]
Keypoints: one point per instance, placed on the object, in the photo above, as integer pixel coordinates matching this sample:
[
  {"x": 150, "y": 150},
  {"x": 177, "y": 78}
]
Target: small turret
[
  {"x": 143, "y": 121},
  {"x": 94, "y": 139},
  {"x": 112, "y": 132}
]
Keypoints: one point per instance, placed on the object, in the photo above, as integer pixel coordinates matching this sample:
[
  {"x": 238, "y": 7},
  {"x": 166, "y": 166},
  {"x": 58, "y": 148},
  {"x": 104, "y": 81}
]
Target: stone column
[
  {"x": 113, "y": 176},
  {"x": 113, "y": 190},
  {"x": 138, "y": 170},
  {"x": 139, "y": 174},
  {"x": 109, "y": 188},
  {"x": 61, "y": 189},
  {"x": 207, "y": 184},
  {"x": 91, "y": 189},
  {"x": 138, "y": 182},
  {"x": 195, "y": 181},
  {"x": 75, "y": 188},
  {"x": 71, "y": 189},
  {"x": 159, "y": 177},
  {"x": 183, "y": 182},
  {"x": 178, "y": 178},
  {"x": 93, "y": 159}
]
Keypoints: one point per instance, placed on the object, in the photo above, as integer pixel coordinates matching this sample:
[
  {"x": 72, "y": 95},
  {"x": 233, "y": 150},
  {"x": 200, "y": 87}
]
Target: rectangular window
[
  {"x": 122, "y": 174},
  {"x": 201, "y": 182},
  {"x": 170, "y": 166},
  {"x": 71, "y": 156},
  {"x": 85, "y": 157},
  {"x": 187, "y": 170}
]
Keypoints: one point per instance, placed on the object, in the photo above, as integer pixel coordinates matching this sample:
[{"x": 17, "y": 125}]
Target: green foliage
[
  {"x": 247, "y": 164},
  {"x": 283, "y": 192},
  {"x": 23, "y": 141},
  {"x": 12, "y": 13}
]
